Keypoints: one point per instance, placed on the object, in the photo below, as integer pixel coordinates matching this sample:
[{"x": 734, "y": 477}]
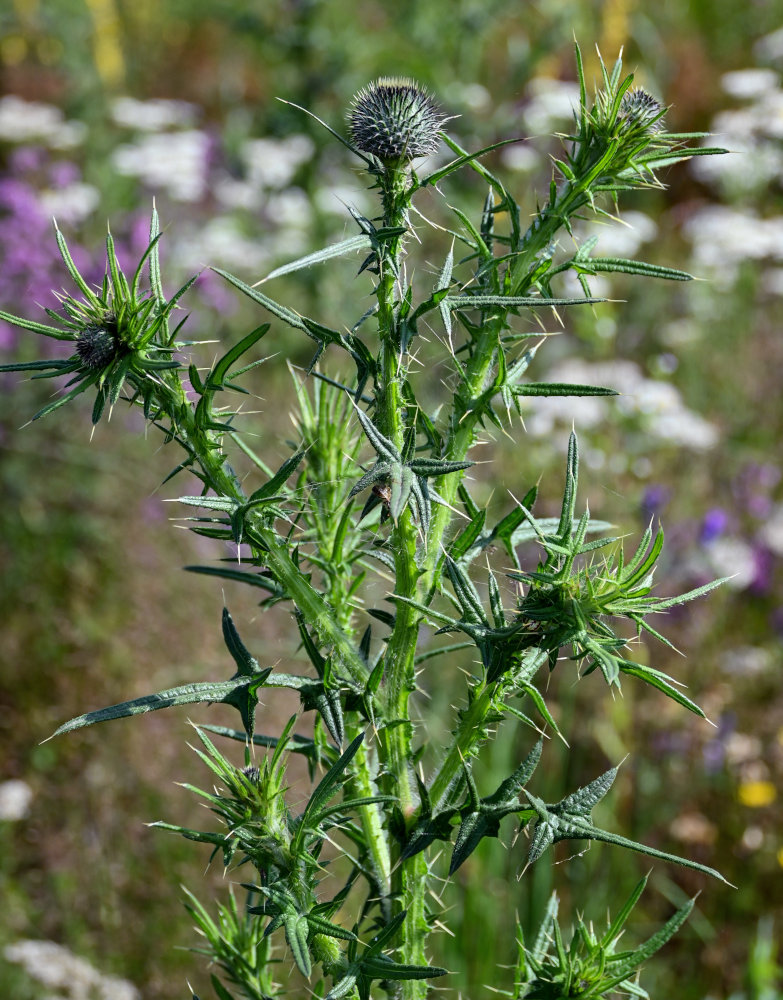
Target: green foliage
[
  {"x": 373, "y": 818},
  {"x": 590, "y": 966}
]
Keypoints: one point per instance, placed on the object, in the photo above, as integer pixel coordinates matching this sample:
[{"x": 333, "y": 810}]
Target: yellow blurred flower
[{"x": 757, "y": 793}]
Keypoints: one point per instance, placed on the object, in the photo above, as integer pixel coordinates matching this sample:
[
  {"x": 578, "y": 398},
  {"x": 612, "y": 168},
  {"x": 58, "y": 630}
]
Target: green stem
[
  {"x": 391, "y": 415},
  {"x": 409, "y": 878},
  {"x": 204, "y": 445},
  {"x": 470, "y": 731},
  {"x": 462, "y": 435},
  {"x": 363, "y": 784},
  {"x": 539, "y": 235}
]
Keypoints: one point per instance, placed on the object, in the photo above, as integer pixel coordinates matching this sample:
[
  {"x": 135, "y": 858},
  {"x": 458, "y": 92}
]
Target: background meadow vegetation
[{"x": 106, "y": 104}]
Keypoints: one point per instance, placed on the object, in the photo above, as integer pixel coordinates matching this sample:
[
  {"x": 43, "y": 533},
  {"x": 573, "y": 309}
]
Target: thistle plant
[{"x": 369, "y": 533}]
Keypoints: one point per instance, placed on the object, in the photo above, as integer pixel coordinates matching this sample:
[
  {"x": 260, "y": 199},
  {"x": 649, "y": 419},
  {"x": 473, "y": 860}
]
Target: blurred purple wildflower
[
  {"x": 30, "y": 264},
  {"x": 713, "y": 525},
  {"x": 754, "y": 485},
  {"x": 654, "y": 500},
  {"x": 63, "y": 172},
  {"x": 215, "y": 293},
  {"x": 26, "y": 159},
  {"x": 763, "y": 570}
]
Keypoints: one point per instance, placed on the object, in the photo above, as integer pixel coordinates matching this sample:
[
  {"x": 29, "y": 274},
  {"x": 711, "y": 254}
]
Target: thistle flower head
[
  {"x": 638, "y": 109},
  {"x": 97, "y": 344},
  {"x": 395, "y": 120}
]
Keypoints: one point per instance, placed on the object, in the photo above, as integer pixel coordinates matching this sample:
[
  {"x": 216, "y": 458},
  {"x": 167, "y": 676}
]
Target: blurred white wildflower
[
  {"x": 745, "y": 84},
  {"x": 742, "y": 748},
  {"x": 521, "y": 156},
  {"x": 770, "y": 47},
  {"x": 72, "y": 203},
  {"x": 680, "y": 332},
  {"x": 221, "y": 241},
  {"x": 657, "y": 404},
  {"x": 750, "y": 165},
  {"x": 772, "y": 281},
  {"x": 154, "y": 115},
  {"x": 472, "y": 96},
  {"x": 621, "y": 238},
  {"x": 771, "y": 532},
  {"x": 722, "y": 237},
  {"x": 549, "y": 105},
  {"x": 768, "y": 113},
  {"x": 26, "y": 121},
  {"x": 175, "y": 162},
  {"x": 746, "y": 660},
  {"x": 334, "y": 198},
  {"x": 234, "y": 193},
  {"x": 272, "y": 163},
  {"x": 752, "y": 840},
  {"x": 751, "y": 133},
  {"x": 684, "y": 428},
  {"x": 15, "y": 799},
  {"x": 56, "y": 967},
  {"x": 734, "y": 558},
  {"x": 289, "y": 209}
]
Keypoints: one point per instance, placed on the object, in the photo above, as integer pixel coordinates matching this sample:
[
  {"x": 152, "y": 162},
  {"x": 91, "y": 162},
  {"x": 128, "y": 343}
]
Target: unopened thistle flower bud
[
  {"x": 96, "y": 346},
  {"x": 395, "y": 120},
  {"x": 640, "y": 109}
]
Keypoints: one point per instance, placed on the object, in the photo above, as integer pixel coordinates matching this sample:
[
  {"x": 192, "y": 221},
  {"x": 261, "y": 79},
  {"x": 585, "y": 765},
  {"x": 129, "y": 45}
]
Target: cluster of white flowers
[
  {"x": 746, "y": 660},
  {"x": 752, "y": 133},
  {"x": 658, "y": 405},
  {"x": 269, "y": 165},
  {"x": 15, "y": 799},
  {"x": 622, "y": 237},
  {"x": 55, "y": 967},
  {"x": 153, "y": 116},
  {"x": 723, "y": 237},
  {"x": 732, "y": 558},
  {"x": 33, "y": 121},
  {"x": 72, "y": 203},
  {"x": 549, "y": 105},
  {"x": 175, "y": 162},
  {"x": 222, "y": 242},
  {"x": 771, "y": 533}
]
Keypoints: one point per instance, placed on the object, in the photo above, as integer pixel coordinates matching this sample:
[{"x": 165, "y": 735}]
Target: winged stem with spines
[{"x": 314, "y": 549}]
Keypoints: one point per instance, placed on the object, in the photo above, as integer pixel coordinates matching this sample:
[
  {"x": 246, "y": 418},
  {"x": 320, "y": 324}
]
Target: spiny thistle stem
[{"x": 409, "y": 881}]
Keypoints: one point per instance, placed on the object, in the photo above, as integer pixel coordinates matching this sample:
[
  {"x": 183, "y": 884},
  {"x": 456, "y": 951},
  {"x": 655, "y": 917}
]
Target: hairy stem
[{"x": 409, "y": 878}]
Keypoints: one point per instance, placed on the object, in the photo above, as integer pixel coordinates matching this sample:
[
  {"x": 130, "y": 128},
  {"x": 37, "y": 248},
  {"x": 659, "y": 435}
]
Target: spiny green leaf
[
  {"x": 217, "y": 376},
  {"x": 560, "y": 389},
  {"x": 247, "y": 665},
  {"x": 382, "y": 967},
  {"x": 296, "y": 928},
  {"x": 42, "y": 328},
  {"x": 327, "y": 787},
  {"x": 609, "y": 264},
  {"x": 359, "y": 242},
  {"x": 187, "y": 694}
]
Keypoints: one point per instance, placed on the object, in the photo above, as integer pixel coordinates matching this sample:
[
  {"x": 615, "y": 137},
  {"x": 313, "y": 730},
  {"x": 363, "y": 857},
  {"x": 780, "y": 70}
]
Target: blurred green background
[{"x": 105, "y": 104}]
